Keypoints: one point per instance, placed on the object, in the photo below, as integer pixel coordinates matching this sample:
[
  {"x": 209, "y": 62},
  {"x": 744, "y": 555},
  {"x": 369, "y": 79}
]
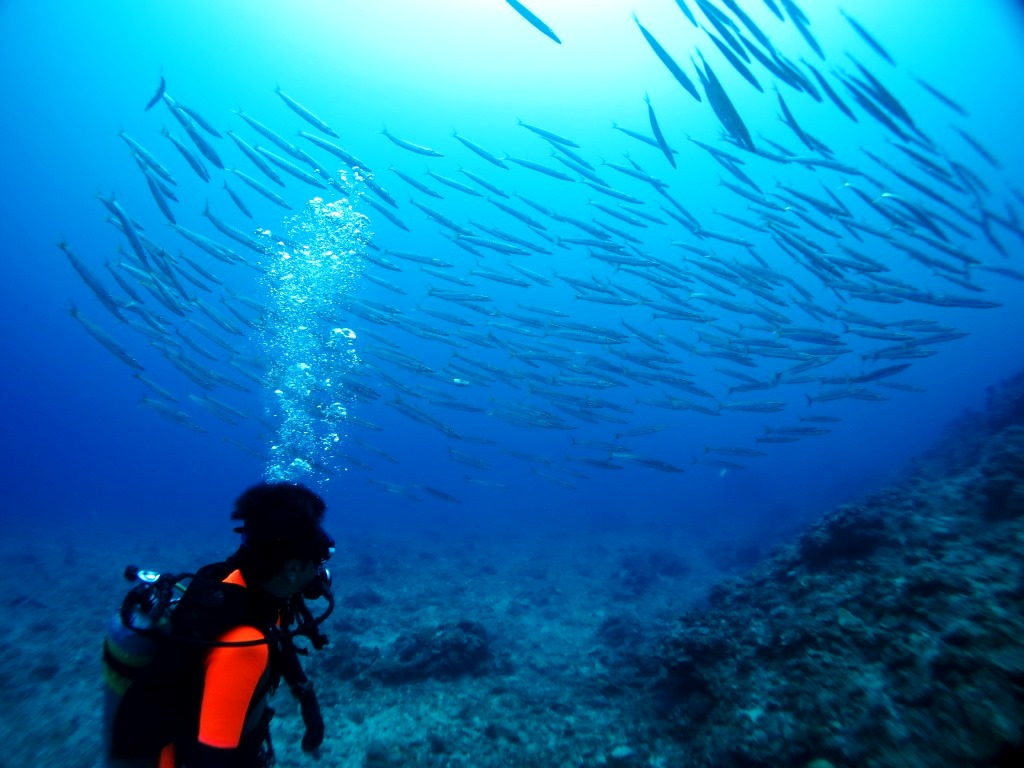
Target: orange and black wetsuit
[{"x": 225, "y": 723}]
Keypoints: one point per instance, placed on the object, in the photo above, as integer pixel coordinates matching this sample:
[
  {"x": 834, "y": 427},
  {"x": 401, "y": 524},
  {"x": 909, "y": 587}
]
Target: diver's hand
[{"x": 313, "y": 720}]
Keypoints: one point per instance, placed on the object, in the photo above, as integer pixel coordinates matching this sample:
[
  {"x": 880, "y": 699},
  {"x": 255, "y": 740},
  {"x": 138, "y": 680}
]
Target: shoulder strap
[{"x": 210, "y": 607}]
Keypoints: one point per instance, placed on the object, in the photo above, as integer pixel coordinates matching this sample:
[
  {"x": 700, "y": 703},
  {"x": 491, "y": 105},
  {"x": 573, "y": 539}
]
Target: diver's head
[{"x": 284, "y": 548}]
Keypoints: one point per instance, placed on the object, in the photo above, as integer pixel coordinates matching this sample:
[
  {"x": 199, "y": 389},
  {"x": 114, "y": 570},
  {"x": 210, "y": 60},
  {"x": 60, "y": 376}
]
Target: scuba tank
[{"x": 133, "y": 639}]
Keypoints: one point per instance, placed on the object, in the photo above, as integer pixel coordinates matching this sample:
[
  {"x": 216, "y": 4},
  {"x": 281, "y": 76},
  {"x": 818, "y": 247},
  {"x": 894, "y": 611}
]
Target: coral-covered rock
[
  {"x": 640, "y": 570},
  {"x": 345, "y": 659},
  {"x": 620, "y": 632},
  {"x": 849, "y": 533},
  {"x": 444, "y": 652},
  {"x": 1001, "y": 475}
]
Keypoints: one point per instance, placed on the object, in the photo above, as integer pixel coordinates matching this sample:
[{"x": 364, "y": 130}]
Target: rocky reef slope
[{"x": 891, "y": 633}]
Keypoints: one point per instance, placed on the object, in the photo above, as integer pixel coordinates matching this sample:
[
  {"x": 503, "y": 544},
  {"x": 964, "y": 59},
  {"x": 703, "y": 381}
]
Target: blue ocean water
[{"x": 79, "y": 446}]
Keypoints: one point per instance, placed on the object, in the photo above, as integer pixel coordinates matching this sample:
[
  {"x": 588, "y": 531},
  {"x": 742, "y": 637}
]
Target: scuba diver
[{"x": 191, "y": 659}]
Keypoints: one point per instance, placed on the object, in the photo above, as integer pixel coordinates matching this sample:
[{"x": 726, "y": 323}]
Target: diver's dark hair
[{"x": 280, "y": 522}]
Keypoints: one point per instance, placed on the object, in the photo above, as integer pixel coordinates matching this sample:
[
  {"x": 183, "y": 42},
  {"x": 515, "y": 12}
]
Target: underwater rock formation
[
  {"x": 890, "y": 634},
  {"x": 639, "y": 571},
  {"x": 443, "y": 652}
]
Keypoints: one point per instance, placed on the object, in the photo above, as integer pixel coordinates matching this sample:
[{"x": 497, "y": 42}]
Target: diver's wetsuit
[{"x": 225, "y": 721}]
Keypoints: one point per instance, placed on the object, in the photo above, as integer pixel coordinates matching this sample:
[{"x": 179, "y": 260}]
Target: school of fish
[{"x": 765, "y": 308}]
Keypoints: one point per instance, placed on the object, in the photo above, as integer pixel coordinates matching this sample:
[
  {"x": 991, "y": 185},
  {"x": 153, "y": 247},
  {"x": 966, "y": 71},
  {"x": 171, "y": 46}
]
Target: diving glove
[{"x": 312, "y": 719}]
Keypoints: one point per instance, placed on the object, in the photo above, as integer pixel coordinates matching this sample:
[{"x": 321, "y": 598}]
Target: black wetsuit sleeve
[{"x": 212, "y": 757}]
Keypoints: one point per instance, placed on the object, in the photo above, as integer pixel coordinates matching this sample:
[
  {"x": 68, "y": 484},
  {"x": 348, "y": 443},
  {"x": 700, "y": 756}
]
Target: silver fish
[
  {"x": 304, "y": 113},
  {"x": 527, "y": 14}
]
